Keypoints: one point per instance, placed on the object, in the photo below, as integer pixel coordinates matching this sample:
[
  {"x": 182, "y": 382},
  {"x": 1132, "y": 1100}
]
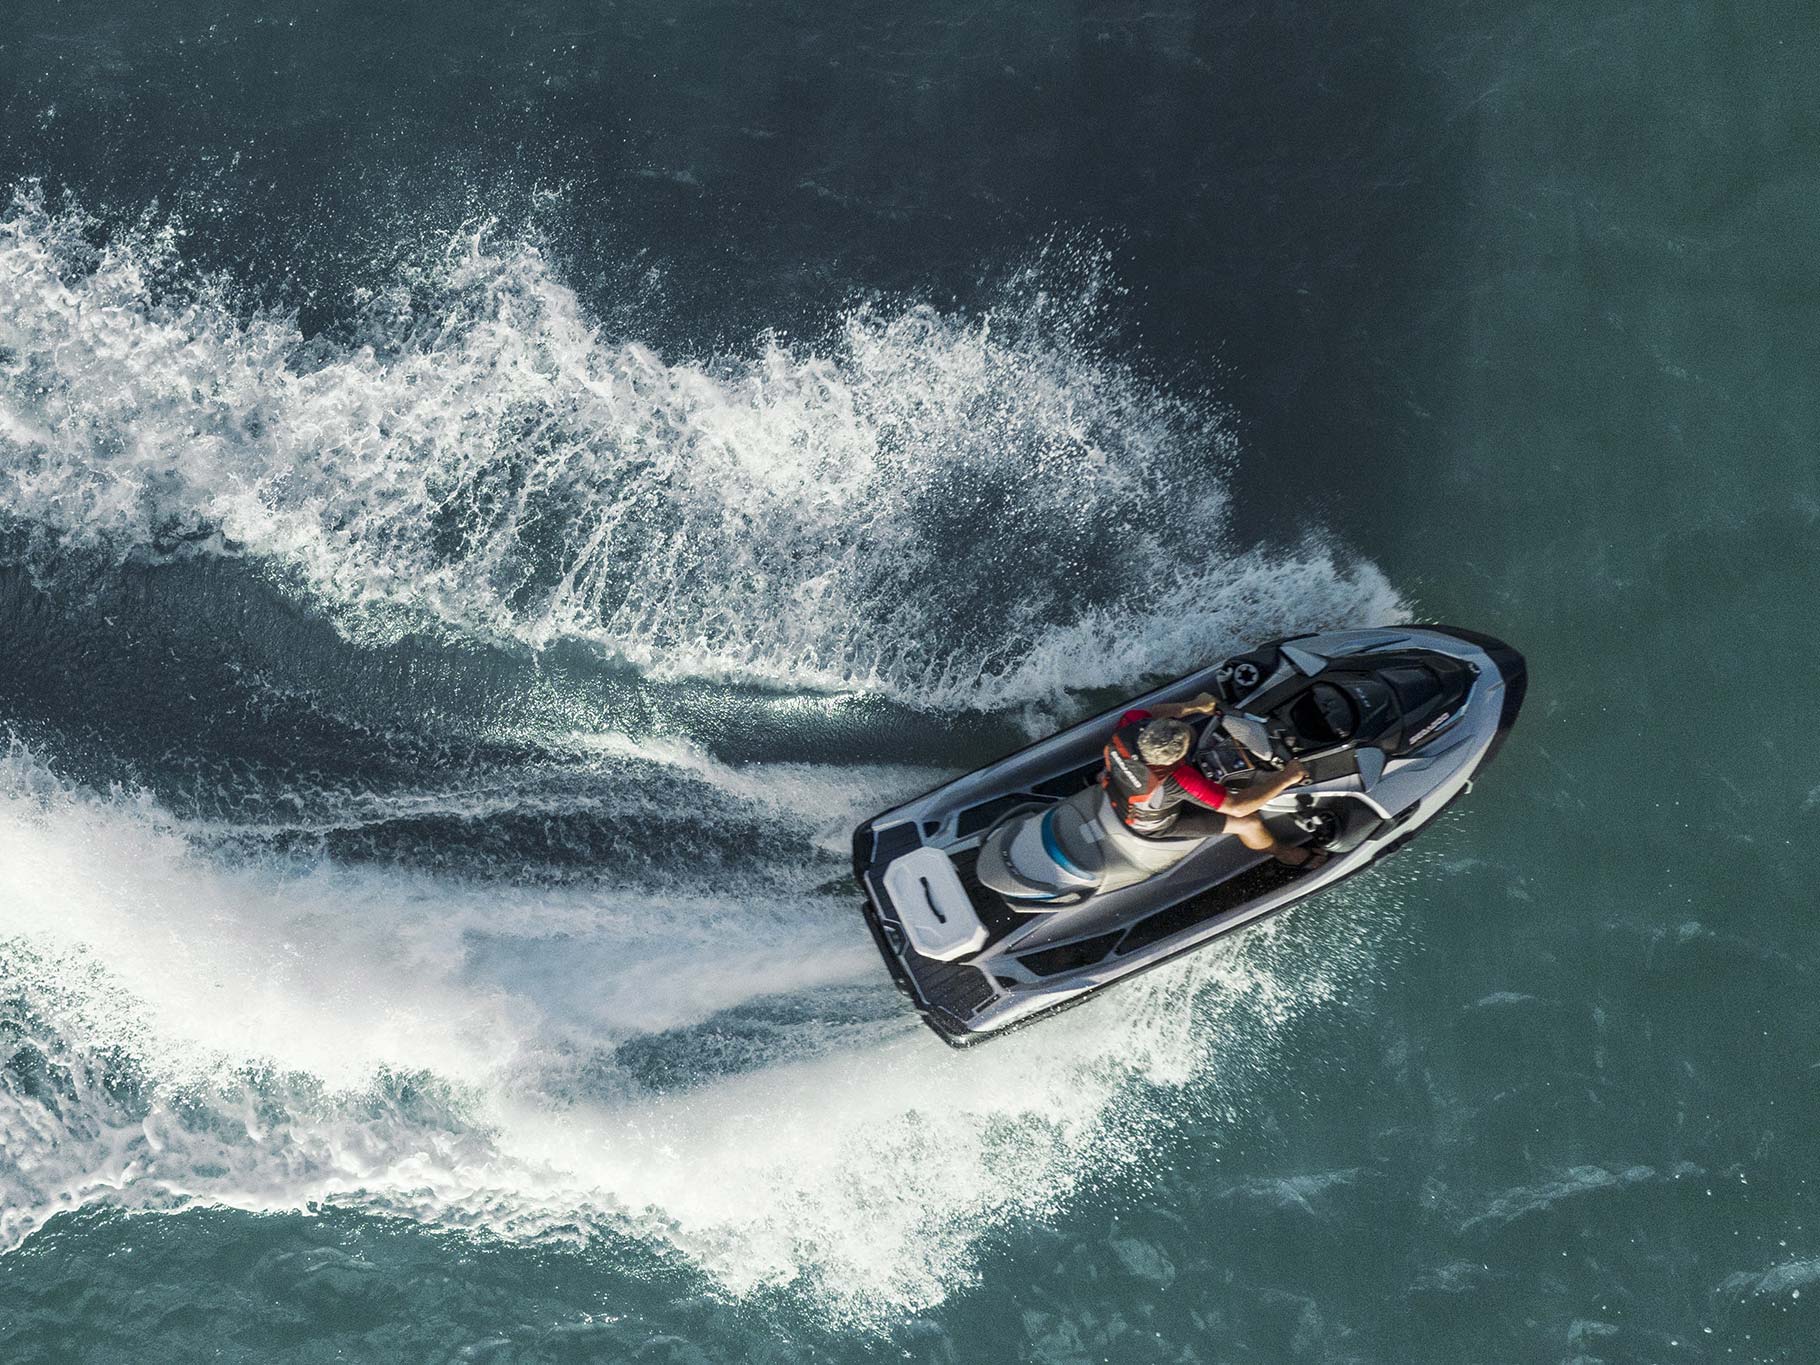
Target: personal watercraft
[{"x": 1015, "y": 891}]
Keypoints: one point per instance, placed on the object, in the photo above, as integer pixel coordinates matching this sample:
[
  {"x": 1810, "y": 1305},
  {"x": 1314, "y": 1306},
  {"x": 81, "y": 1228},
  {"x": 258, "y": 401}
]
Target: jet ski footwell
[{"x": 1392, "y": 724}]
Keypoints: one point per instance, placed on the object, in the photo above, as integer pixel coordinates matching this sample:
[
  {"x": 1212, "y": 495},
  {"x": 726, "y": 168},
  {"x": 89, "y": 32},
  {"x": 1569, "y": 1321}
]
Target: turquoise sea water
[{"x": 490, "y": 495}]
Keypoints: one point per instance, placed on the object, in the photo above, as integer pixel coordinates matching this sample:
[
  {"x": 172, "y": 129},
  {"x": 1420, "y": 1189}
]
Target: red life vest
[
  {"x": 1149, "y": 799},
  {"x": 1145, "y": 798}
]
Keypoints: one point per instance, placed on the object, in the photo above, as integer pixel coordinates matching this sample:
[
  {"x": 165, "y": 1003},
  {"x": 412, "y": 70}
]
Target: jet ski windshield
[{"x": 1247, "y": 731}]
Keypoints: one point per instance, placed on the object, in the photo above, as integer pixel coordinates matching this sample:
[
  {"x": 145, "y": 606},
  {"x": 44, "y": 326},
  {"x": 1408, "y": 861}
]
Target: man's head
[{"x": 1163, "y": 743}]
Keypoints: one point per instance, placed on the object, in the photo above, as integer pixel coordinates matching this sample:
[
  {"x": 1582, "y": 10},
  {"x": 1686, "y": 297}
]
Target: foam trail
[
  {"x": 362, "y": 1036},
  {"x": 833, "y": 799},
  {"x": 608, "y": 778},
  {"x": 942, "y": 509},
  {"x": 919, "y": 505}
]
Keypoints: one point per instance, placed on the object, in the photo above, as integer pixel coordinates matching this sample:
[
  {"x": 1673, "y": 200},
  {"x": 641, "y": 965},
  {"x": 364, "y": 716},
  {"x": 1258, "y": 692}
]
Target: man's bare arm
[
  {"x": 1204, "y": 705},
  {"x": 1257, "y": 798}
]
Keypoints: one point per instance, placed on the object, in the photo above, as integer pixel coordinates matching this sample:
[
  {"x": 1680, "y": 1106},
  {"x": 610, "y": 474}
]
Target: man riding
[{"x": 1159, "y": 794}]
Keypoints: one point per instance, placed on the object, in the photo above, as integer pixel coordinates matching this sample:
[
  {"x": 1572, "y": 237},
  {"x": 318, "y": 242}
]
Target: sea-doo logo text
[{"x": 1431, "y": 727}]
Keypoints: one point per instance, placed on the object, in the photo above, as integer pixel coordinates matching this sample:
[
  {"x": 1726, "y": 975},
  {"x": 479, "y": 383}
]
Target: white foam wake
[
  {"x": 951, "y": 510},
  {"x": 956, "y": 512},
  {"x": 266, "y": 1039}
]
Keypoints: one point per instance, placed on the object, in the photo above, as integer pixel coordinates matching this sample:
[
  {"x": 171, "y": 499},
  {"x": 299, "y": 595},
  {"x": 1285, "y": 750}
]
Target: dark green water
[{"x": 488, "y": 495}]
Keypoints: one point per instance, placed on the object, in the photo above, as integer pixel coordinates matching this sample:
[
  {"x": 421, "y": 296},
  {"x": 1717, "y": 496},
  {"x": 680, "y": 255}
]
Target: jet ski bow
[{"x": 1015, "y": 891}]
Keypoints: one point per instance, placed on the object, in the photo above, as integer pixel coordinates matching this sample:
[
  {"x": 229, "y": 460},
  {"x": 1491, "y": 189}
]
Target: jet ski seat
[
  {"x": 1043, "y": 853},
  {"x": 1053, "y": 856}
]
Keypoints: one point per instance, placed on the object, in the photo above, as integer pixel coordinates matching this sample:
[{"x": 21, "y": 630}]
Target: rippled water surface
[{"x": 489, "y": 496}]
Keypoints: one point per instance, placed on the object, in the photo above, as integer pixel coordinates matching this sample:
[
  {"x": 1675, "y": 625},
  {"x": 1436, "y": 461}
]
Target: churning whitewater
[{"x": 515, "y": 689}]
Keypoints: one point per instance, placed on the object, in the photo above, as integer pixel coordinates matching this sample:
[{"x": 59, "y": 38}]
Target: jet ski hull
[{"x": 1427, "y": 706}]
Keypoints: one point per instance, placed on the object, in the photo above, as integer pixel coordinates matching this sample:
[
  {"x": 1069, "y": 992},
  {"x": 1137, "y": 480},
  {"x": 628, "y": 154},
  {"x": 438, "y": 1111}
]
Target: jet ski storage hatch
[{"x": 933, "y": 906}]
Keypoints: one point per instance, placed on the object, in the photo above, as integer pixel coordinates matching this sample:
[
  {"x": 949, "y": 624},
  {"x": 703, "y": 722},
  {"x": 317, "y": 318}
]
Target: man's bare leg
[
  {"x": 1242, "y": 820},
  {"x": 1254, "y": 834}
]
